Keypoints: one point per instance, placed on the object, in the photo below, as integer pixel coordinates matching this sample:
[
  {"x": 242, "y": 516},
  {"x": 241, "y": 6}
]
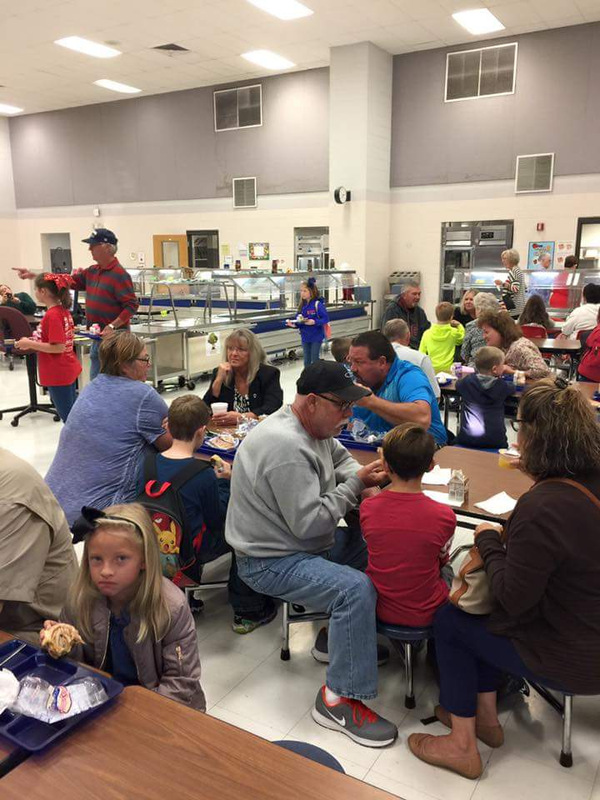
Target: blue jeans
[
  {"x": 473, "y": 660},
  {"x": 94, "y": 359},
  {"x": 63, "y": 398},
  {"x": 331, "y": 581},
  {"x": 312, "y": 351}
]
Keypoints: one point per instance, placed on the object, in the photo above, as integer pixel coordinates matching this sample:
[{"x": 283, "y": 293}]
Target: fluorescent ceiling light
[
  {"x": 267, "y": 59},
  {"x": 478, "y": 21},
  {"x": 6, "y": 109},
  {"x": 117, "y": 87},
  {"x": 283, "y": 9},
  {"x": 87, "y": 47}
]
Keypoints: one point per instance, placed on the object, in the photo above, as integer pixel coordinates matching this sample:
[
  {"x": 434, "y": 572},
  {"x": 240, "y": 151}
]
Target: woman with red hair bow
[{"x": 53, "y": 341}]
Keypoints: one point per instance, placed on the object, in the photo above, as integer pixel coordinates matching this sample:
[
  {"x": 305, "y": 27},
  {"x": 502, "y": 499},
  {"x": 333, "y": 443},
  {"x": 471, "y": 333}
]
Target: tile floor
[{"x": 248, "y": 685}]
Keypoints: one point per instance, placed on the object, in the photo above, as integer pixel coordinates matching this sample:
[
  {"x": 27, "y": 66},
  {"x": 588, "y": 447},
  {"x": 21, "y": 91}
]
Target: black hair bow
[
  {"x": 86, "y": 523},
  {"x": 561, "y": 383}
]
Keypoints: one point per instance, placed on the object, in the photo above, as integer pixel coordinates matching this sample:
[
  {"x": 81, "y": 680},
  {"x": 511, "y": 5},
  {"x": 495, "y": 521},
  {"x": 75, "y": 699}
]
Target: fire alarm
[{"x": 539, "y": 226}]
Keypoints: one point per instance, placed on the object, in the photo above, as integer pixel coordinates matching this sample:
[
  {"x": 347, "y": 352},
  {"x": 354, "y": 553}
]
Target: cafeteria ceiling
[{"x": 37, "y": 75}]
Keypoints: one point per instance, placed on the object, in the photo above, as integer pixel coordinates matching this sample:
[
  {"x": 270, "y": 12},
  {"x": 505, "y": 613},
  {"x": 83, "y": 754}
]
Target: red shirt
[
  {"x": 408, "y": 537},
  {"x": 109, "y": 294},
  {"x": 58, "y": 369}
]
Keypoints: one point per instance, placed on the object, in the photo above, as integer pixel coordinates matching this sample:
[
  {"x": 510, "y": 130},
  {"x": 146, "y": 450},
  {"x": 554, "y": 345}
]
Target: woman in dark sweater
[
  {"x": 545, "y": 581},
  {"x": 248, "y": 385}
]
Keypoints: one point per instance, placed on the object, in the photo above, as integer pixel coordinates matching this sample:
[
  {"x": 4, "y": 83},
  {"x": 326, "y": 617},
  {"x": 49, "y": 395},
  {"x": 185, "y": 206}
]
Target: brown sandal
[
  {"x": 492, "y": 735},
  {"x": 467, "y": 766}
]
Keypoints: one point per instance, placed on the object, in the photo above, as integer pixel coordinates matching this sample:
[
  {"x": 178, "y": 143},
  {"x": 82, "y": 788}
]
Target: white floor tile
[
  {"x": 402, "y": 790},
  {"x": 247, "y": 724},
  {"x": 519, "y": 778}
]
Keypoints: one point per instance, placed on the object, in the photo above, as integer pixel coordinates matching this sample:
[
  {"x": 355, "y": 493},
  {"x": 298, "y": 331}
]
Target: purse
[{"x": 471, "y": 590}]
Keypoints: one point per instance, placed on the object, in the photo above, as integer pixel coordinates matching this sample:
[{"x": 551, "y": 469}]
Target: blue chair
[
  {"x": 407, "y": 637},
  {"x": 312, "y": 752}
]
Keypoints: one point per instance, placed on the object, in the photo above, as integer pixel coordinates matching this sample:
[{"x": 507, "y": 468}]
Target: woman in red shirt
[{"x": 57, "y": 363}]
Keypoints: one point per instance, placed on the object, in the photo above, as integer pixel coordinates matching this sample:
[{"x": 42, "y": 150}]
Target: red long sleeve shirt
[{"x": 109, "y": 295}]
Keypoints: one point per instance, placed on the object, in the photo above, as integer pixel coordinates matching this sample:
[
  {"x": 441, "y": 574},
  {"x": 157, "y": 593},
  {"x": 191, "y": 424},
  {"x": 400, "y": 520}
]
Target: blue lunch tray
[
  {"x": 32, "y": 734},
  {"x": 207, "y": 449},
  {"x": 346, "y": 439}
]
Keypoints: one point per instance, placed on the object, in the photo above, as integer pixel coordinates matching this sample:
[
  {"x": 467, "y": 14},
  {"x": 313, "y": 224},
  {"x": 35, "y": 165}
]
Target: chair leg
[
  {"x": 409, "y": 699},
  {"x": 566, "y": 756},
  {"x": 285, "y": 632}
]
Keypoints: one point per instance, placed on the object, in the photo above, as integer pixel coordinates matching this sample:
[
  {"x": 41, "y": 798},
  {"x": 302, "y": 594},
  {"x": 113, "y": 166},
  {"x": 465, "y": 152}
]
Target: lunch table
[{"x": 146, "y": 747}]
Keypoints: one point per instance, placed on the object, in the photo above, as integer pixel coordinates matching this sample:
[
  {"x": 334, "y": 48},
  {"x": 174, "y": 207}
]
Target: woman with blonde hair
[
  {"x": 544, "y": 576},
  {"x": 513, "y": 288},
  {"x": 244, "y": 381},
  {"x": 135, "y": 623},
  {"x": 465, "y": 312}
]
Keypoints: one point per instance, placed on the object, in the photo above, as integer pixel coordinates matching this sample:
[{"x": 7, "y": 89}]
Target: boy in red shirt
[{"x": 408, "y": 535}]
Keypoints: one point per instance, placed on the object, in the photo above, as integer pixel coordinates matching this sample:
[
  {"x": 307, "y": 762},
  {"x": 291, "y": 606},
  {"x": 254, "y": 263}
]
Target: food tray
[
  {"x": 346, "y": 439},
  {"x": 207, "y": 449},
  {"x": 32, "y": 734}
]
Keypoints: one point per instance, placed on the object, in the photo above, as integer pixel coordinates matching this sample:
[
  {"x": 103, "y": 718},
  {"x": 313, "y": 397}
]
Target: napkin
[
  {"x": 500, "y": 503},
  {"x": 442, "y": 497},
  {"x": 444, "y": 377},
  {"x": 9, "y": 689},
  {"x": 437, "y": 476}
]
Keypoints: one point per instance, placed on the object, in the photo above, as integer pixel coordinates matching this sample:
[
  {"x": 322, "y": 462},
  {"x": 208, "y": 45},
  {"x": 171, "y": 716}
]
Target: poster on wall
[
  {"x": 536, "y": 251},
  {"x": 563, "y": 249},
  {"x": 258, "y": 251},
  {"x": 242, "y": 250}
]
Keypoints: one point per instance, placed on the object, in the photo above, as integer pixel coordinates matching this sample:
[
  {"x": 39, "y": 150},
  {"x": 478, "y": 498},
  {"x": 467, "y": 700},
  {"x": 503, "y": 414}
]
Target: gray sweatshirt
[{"x": 288, "y": 490}]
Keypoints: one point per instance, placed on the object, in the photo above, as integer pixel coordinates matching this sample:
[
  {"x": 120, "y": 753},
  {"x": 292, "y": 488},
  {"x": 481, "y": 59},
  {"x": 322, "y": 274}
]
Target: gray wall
[
  {"x": 164, "y": 147},
  {"x": 556, "y": 108}
]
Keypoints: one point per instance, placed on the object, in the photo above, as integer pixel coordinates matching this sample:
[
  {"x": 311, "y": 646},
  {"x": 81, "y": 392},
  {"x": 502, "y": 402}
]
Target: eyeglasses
[
  {"x": 233, "y": 347},
  {"x": 343, "y": 406},
  {"x": 145, "y": 359},
  {"x": 515, "y": 424}
]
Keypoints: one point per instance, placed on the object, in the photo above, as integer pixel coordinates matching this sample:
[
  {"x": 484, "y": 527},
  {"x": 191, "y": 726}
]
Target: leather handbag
[{"x": 470, "y": 588}]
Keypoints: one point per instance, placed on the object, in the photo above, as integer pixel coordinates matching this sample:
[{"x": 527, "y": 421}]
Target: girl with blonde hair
[{"x": 135, "y": 623}]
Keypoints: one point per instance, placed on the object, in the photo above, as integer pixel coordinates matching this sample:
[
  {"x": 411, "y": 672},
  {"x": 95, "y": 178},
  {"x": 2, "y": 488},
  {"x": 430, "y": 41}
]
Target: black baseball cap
[
  {"x": 101, "y": 236},
  {"x": 332, "y": 377}
]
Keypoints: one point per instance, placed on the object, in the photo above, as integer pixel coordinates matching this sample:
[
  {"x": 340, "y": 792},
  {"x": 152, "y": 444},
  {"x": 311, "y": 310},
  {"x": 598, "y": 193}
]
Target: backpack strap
[
  {"x": 188, "y": 472},
  {"x": 576, "y": 485},
  {"x": 180, "y": 478}
]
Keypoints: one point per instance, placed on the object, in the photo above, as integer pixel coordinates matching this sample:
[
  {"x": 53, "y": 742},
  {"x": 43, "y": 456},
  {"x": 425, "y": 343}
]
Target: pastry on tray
[
  {"x": 224, "y": 441},
  {"x": 60, "y": 639}
]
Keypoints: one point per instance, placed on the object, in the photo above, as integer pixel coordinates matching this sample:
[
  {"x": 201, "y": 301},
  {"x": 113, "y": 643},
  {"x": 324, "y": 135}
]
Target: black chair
[
  {"x": 407, "y": 637},
  {"x": 19, "y": 327}
]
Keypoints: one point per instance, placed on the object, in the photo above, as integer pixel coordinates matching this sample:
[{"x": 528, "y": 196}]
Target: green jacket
[
  {"x": 440, "y": 342},
  {"x": 26, "y": 304}
]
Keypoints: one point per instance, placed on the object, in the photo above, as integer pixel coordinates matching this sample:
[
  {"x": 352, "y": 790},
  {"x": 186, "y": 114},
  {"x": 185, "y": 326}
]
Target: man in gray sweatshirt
[{"x": 291, "y": 485}]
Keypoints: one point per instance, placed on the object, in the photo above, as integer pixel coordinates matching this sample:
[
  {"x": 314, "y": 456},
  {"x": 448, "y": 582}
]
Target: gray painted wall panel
[
  {"x": 164, "y": 147},
  {"x": 556, "y": 108}
]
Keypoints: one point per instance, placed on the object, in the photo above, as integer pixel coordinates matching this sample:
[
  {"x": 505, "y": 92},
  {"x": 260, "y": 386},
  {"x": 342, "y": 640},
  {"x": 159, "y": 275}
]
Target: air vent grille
[
  {"x": 534, "y": 173},
  {"x": 244, "y": 193},
  {"x": 238, "y": 108},
  {"x": 171, "y": 48},
  {"x": 479, "y": 73}
]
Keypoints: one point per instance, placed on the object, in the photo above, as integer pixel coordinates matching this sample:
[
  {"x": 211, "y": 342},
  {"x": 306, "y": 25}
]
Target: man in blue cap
[{"x": 110, "y": 300}]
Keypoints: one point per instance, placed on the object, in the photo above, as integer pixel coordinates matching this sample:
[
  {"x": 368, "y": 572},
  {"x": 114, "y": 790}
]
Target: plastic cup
[
  {"x": 506, "y": 460},
  {"x": 219, "y": 408}
]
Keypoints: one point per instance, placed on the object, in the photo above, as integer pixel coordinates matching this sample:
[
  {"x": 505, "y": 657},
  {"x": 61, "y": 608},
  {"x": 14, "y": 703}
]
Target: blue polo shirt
[{"x": 405, "y": 383}]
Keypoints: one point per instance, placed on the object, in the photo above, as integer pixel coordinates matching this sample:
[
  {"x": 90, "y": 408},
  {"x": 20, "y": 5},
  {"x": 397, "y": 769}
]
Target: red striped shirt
[{"x": 109, "y": 295}]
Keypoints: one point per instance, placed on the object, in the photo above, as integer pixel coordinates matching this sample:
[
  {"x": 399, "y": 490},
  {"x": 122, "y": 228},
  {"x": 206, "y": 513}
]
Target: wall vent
[
  {"x": 171, "y": 48},
  {"x": 244, "y": 193},
  {"x": 534, "y": 173},
  {"x": 238, "y": 108},
  {"x": 472, "y": 74}
]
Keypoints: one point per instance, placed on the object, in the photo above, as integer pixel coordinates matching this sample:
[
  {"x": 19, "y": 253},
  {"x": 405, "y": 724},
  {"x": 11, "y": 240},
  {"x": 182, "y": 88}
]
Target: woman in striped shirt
[{"x": 513, "y": 288}]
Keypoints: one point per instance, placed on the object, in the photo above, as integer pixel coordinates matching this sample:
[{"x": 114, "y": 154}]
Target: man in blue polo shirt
[{"x": 401, "y": 391}]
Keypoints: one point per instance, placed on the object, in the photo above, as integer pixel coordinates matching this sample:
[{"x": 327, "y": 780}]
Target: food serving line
[{"x": 184, "y": 322}]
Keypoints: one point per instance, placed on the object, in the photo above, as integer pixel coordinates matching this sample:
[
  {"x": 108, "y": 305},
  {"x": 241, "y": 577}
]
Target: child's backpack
[
  {"x": 589, "y": 366},
  {"x": 326, "y": 325},
  {"x": 179, "y": 549}
]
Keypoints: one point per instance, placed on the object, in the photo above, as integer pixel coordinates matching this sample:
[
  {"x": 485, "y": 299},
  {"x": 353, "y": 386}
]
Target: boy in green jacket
[{"x": 442, "y": 339}]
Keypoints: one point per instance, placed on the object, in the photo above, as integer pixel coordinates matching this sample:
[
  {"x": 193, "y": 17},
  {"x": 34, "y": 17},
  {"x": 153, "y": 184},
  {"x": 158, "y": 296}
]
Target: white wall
[
  {"x": 8, "y": 225},
  {"x": 417, "y": 214},
  {"x": 135, "y": 224}
]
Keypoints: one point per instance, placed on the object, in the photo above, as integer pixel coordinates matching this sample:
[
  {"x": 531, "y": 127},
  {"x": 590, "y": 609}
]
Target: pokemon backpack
[{"x": 178, "y": 547}]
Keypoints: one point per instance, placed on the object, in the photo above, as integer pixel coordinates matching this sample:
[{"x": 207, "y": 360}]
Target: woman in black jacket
[{"x": 248, "y": 385}]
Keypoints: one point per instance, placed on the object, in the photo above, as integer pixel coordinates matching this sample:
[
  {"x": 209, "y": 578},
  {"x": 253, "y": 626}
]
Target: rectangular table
[
  {"x": 145, "y": 747},
  {"x": 486, "y": 478}
]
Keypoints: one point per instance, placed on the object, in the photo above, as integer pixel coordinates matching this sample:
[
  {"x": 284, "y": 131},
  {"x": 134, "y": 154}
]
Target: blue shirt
[
  {"x": 103, "y": 443},
  {"x": 119, "y": 661},
  {"x": 405, "y": 383},
  {"x": 314, "y": 309}
]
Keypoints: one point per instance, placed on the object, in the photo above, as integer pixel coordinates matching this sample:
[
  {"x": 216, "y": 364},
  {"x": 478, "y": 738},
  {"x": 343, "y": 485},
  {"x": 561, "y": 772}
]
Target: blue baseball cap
[{"x": 101, "y": 236}]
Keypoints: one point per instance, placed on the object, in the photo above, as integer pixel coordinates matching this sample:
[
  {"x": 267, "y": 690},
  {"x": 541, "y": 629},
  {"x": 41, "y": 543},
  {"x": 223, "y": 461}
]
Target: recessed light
[
  {"x": 267, "y": 59},
  {"x": 87, "y": 47},
  {"x": 479, "y": 20},
  {"x": 115, "y": 86},
  {"x": 283, "y": 9},
  {"x": 6, "y": 109}
]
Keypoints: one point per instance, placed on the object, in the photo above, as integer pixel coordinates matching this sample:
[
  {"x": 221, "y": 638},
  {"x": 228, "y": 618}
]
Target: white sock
[{"x": 331, "y": 698}]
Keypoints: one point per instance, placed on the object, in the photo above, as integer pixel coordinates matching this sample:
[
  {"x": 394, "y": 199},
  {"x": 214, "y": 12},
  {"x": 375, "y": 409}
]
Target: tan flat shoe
[
  {"x": 492, "y": 735},
  {"x": 467, "y": 766}
]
